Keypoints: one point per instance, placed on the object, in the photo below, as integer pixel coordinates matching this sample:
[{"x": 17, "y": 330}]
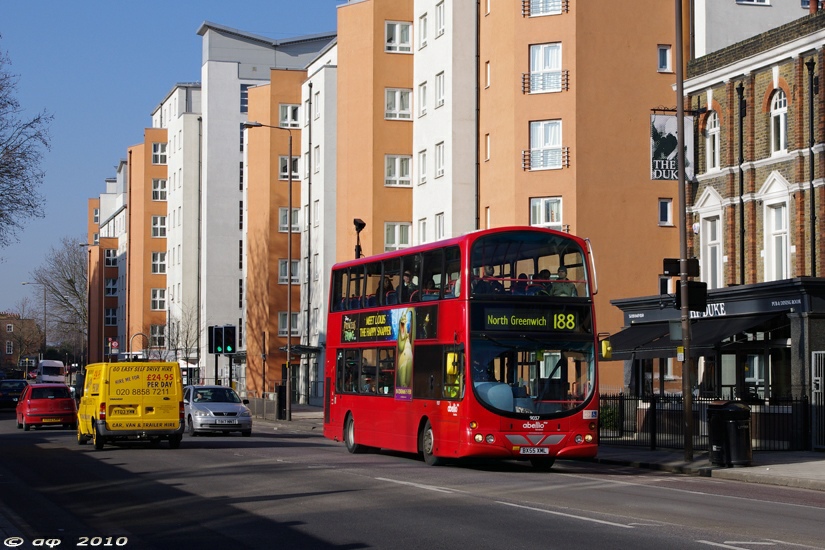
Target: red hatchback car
[{"x": 46, "y": 405}]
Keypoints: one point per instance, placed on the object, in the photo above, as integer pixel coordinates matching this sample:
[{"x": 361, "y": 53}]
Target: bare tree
[
  {"x": 63, "y": 275},
  {"x": 29, "y": 337},
  {"x": 183, "y": 333},
  {"x": 22, "y": 144}
]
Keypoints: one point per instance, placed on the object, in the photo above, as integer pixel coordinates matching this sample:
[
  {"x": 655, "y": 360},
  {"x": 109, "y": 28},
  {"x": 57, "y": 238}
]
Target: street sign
[{"x": 114, "y": 344}]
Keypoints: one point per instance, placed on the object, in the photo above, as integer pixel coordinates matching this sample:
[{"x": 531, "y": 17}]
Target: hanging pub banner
[{"x": 663, "y": 145}]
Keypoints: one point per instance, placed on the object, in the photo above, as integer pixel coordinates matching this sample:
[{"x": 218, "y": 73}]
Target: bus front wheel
[
  {"x": 427, "y": 444},
  {"x": 349, "y": 436}
]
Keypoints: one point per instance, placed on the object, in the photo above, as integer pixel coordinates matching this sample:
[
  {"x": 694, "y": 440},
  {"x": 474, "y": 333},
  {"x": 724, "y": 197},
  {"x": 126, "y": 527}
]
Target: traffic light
[
  {"x": 229, "y": 343},
  {"x": 210, "y": 333},
  {"x": 217, "y": 339}
]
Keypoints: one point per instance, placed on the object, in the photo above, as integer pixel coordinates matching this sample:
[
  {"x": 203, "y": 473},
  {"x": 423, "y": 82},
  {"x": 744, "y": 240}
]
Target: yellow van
[{"x": 131, "y": 401}]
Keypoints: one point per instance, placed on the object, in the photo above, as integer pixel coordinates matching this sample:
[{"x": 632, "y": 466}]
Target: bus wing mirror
[
  {"x": 607, "y": 349},
  {"x": 452, "y": 363}
]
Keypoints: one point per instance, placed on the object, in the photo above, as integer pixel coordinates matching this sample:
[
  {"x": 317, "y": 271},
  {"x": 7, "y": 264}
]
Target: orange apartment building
[{"x": 266, "y": 251}]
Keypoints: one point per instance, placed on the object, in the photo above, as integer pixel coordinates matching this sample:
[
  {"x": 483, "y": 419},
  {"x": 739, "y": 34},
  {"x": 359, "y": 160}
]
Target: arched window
[
  {"x": 712, "y": 147},
  {"x": 779, "y": 122}
]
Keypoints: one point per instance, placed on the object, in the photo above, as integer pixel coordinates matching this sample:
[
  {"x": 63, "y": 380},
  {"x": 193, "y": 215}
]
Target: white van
[{"x": 51, "y": 371}]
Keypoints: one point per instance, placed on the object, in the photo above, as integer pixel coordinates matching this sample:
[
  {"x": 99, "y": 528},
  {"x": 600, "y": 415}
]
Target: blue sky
[{"x": 101, "y": 67}]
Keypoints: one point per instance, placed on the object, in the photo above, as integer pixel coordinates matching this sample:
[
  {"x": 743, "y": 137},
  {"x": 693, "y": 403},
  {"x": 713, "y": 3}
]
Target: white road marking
[{"x": 583, "y": 518}]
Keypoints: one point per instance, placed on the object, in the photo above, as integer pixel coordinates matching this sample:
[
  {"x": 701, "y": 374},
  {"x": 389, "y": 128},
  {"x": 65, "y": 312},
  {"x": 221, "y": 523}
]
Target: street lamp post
[
  {"x": 44, "y": 315},
  {"x": 288, "y": 268}
]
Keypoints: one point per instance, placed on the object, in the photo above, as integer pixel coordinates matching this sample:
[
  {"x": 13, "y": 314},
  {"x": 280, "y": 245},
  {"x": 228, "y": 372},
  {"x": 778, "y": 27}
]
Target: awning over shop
[{"x": 651, "y": 340}]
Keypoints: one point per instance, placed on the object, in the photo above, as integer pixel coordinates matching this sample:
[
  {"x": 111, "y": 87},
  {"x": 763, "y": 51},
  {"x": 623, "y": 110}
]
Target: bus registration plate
[
  {"x": 226, "y": 421},
  {"x": 534, "y": 451}
]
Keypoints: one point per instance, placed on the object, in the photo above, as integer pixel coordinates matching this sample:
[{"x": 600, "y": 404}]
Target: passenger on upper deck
[
  {"x": 488, "y": 283},
  {"x": 407, "y": 287},
  {"x": 562, "y": 286},
  {"x": 542, "y": 283},
  {"x": 520, "y": 286}
]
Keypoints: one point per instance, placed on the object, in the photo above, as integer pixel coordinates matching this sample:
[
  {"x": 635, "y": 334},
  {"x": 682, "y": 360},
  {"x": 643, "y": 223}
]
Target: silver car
[{"x": 216, "y": 409}]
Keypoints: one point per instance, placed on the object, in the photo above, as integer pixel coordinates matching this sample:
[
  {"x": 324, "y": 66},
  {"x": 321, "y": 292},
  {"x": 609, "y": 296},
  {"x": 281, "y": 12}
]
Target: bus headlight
[
  {"x": 479, "y": 438},
  {"x": 490, "y": 438},
  {"x": 579, "y": 438},
  {"x": 588, "y": 438}
]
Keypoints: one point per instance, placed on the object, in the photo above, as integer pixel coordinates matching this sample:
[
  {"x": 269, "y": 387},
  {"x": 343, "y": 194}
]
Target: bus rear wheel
[
  {"x": 427, "y": 444},
  {"x": 542, "y": 464},
  {"x": 349, "y": 436}
]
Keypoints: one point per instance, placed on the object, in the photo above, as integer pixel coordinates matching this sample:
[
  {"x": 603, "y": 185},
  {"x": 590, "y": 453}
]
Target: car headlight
[
  {"x": 201, "y": 412},
  {"x": 245, "y": 413}
]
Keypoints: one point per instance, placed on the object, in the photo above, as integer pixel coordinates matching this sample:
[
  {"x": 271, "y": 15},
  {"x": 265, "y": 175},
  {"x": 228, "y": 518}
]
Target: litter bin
[
  {"x": 729, "y": 433},
  {"x": 280, "y": 402}
]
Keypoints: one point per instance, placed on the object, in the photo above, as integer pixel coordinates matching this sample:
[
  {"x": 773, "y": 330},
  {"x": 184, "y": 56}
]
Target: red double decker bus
[{"x": 483, "y": 345}]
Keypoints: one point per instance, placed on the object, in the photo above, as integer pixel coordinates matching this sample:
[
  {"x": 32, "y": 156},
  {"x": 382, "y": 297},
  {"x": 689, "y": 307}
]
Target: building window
[
  {"x": 422, "y": 99},
  {"x": 397, "y": 173},
  {"x": 240, "y": 293},
  {"x": 398, "y": 104},
  {"x": 779, "y": 122},
  {"x": 282, "y": 274},
  {"x": 666, "y": 212},
  {"x": 486, "y": 146},
  {"x": 110, "y": 317},
  {"x": 439, "y": 90},
  {"x": 96, "y": 216},
  {"x": 158, "y": 190},
  {"x": 664, "y": 65},
  {"x": 316, "y": 159},
  {"x": 763, "y": 2},
  {"x": 439, "y": 226},
  {"x": 315, "y": 267},
  {"x": 158, "y": 302},
  {"x": 9, "y": 328},
  {"x": 245, "y": 98},
  {"x": 422, "y": 230},
  {"x": 546, "y": 212},
  {"x": 9, "y": 347},
  {"x": 240, "y": 254},
  {"x": 157, "y": 336},
  {"x": 439, "y": 159},
  {"x": 282, "y": 328},
  {"x": 158, "y": 153},
  {"x": 487, "y": 74},
  {"x": 440, "y": 17},
  {"x": 317, "y": 103},
  {"x": 398, "y": 37},
  {"x": 712, "y": 147},
  {"x": 422, "y": 167},
  {"x": 545, "y": 145},
  {"x": 110, "y": 257},
  {"x": 545, "y": 68},
  {"x": 711, "y": 237},
  {"x": 283, "y": 163},
  {"x": 316, "y": 213},
  {"x": 158, "y": 262},
  {"x": 422, "y": 31},
  {"x": 545, "y": 7},
  {"x": 396, "y": 236},
  {"x": 158, "y": 226},
  {"x": 776, "y": 245},
  {"x": 290, "y": 116},
  {"x": 283, "y": 220},
  {"x": 111, "y": 287}
]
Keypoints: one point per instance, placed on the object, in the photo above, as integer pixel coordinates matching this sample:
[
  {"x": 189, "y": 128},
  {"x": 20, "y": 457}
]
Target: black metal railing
[{"x": 658, "y": 422}]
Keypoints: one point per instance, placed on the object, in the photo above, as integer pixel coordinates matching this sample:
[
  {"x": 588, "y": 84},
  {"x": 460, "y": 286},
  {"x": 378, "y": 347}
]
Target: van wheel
[
  {"x": 97, "y": 439},
  {"x": 427, "y": 445},
  {"x": 174, "y": 441},
  {"x": 190, "y": 427},
  {"x": 349, "y": 436},
  {"x": 81, "y": 439},
  {"x": 154, "y": 443}
]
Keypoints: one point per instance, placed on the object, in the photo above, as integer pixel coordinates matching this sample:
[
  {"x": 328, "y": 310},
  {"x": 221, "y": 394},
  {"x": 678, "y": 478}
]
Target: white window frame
[
  {"x": 545, "y": 68},
  {"x": 282, "y": 275},
  {"x": 158, "y": 189},
  {"x": 776, "y": 241},
  {"x": 440, "y": 159},
  {"x": 282, "y": 324},
  {"x": 316, "y": 159},
  {"x": 111, "y": 287},
  {"x": 664, "y": 58},
  {"x": 397, "y": 235},
  {"x": 711, "y": 245},
  {"x": 439, "y": 89},
  {"x": 422, "y": 99},
  {"x": 665, "y": 212},
  {"x": 439, "y": 226},
  {"x": 545, "y": 145},
  {"x": 422, "y": 167},
  {"x": 157, "y": 336},
  {"x": 283, "y": 163},
  {"x": 283, "y": 222},
  {"x": 422, "y": 31},
  {"x": 110, "y": 257},
  {"x": 487, "y": 145},
  {"x": 158, "y": 299},
  {"x": 159, "y": 262},
  {"x": 9, "y": 327},
  {"x": 398, "y": 171},
  {"x": 546, "y": 212},
  {"x": 398, "y": 104},
  {"x": 159, "y": 226},
  {"x": 712, "y": 142},
  {"x": 422, "y": 230},
  {"x": 539, "y": 8},
  {"x": 159, "y": 153},
  {"x": 779, "y": 122},
  {"x": 402, "y": 44},
  {"x": 289, "y": 115},
  {"x": 9, "y": 347},
  {"x": 440, "y": 19}
]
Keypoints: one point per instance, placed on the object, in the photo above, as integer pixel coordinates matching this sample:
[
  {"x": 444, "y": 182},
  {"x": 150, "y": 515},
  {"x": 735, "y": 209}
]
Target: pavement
[{"x": 799, "y": 469}]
